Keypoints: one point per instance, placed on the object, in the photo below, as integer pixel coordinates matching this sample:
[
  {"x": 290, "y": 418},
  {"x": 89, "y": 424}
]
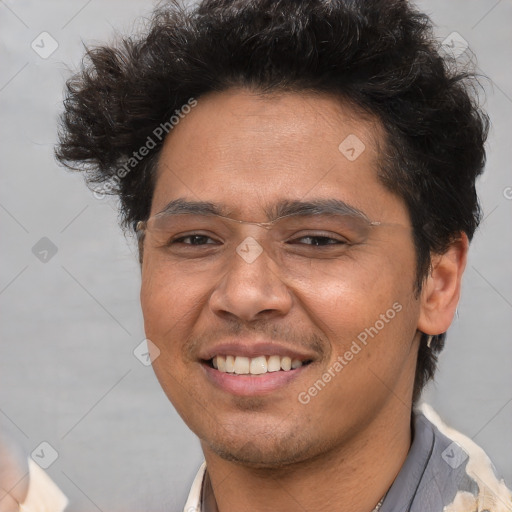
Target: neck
[{"x": 352, "y": 477}]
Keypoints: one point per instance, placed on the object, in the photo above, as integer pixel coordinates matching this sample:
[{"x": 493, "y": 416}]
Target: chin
[{"x": 264, "y": 452}]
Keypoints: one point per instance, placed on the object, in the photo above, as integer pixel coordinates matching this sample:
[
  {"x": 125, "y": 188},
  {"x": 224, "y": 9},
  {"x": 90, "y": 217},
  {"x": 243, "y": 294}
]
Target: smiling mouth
[{"x": 260, "y": 365}]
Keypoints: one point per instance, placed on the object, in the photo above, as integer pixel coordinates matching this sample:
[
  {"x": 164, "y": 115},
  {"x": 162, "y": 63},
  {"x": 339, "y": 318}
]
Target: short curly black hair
[{"x": 378, "y": 55}]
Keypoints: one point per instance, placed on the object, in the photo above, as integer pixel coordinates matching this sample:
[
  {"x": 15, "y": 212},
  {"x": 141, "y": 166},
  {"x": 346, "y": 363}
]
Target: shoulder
[{"x": 478, "y": 487}]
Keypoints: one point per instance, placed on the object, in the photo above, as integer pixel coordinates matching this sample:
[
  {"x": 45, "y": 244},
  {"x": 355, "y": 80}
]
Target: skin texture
[{"x": 265, "y": 452}]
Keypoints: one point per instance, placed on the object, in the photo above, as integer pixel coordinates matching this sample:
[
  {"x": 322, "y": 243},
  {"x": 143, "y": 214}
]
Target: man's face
[{"x": 248, "y": 153}]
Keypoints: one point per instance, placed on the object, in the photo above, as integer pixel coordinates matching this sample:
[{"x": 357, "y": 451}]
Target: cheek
[
  {"x": 375, "y": 339},
  {"x": 166, "y": 300},
  {"x": 368, "y": 302},
  {"x": 360, "y": 287}
]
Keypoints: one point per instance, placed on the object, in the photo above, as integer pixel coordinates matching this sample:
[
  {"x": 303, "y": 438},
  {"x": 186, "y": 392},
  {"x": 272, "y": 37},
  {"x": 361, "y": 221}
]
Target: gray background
[{"x": 69, "y": 326}]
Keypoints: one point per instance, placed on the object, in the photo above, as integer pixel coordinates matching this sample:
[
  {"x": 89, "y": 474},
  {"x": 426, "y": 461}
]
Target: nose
[{"x": 251, "y": 285}]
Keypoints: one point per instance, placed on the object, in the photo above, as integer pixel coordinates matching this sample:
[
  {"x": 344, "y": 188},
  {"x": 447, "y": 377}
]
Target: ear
[{"x": 441, "y": 290}]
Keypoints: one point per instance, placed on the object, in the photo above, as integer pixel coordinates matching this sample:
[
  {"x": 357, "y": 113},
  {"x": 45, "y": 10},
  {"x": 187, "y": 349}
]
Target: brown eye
[
  {"x": 196, "y": 240},
  {"x": 321, "y": 240}
]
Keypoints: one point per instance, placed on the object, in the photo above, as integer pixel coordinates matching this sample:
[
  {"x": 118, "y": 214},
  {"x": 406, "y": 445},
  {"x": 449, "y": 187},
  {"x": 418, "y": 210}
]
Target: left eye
[
  {"x": 321, "y": 240},
  {"x": 198, "y": 238}
]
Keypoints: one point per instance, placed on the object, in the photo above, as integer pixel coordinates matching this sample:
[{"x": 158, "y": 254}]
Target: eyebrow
[{"x": 282, "y": 208}]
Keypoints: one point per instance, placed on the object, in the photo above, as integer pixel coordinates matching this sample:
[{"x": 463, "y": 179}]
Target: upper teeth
[{"x": 256, "y": 365}]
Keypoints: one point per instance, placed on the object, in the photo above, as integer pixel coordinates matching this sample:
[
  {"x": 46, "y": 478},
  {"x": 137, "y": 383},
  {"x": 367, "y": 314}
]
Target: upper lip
[{"x": 249, "y": 349}]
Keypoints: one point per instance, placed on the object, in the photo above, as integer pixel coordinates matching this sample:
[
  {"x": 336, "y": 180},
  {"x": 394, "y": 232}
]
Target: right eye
[{"x": 196, "y": 240}]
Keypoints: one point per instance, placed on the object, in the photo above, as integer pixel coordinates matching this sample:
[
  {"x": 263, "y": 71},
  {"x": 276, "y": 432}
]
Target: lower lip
[{"x": 251, "y": 385}]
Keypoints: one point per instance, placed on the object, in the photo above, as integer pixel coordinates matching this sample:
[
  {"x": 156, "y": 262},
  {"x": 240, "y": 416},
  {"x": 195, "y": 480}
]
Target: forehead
[{"x": 248, "y": 150}]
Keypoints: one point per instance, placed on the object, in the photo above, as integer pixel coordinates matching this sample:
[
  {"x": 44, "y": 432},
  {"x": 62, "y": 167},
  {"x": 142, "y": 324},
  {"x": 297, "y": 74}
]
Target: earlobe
[{"x": 441, "y": 290}]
